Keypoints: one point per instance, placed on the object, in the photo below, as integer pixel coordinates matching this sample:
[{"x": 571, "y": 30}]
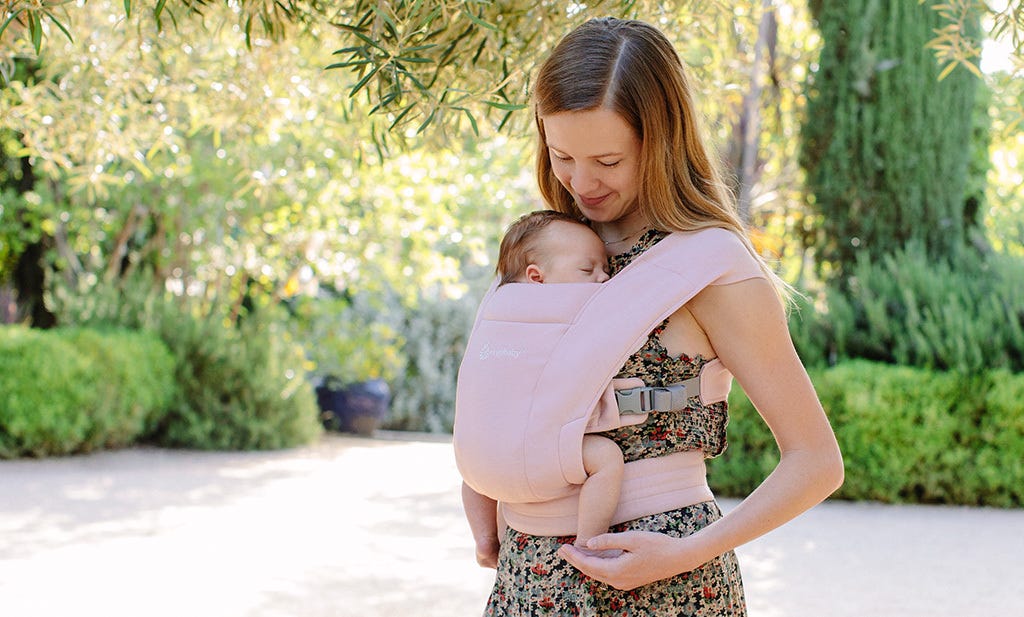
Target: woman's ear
[{"x": 534, "y": 274}]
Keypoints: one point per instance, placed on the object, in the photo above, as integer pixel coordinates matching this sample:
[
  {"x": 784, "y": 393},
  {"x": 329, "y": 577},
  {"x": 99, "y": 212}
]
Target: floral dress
[{"x": 532, "y": 580}]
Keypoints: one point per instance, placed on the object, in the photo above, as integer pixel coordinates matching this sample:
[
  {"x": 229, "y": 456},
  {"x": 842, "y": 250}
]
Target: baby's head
[{"x": 546, "y": 246}]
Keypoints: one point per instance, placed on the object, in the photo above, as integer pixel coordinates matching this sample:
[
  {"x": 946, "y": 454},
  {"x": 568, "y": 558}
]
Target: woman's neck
[{"x": 618, "y": 236}]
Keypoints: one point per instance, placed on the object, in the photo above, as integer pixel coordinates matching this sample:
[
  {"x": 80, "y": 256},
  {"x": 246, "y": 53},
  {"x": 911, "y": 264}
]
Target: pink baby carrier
[{"x": 538, "y": 373}]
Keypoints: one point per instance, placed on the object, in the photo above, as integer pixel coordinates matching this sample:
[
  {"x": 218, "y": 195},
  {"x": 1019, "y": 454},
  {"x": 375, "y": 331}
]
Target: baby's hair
[{"x": 518, "y": 247}]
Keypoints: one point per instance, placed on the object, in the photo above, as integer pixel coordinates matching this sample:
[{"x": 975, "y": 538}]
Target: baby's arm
[{"x": 482, "y": 514}]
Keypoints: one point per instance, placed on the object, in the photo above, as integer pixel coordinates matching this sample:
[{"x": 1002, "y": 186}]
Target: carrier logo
[{"x": 502, "y": 353}]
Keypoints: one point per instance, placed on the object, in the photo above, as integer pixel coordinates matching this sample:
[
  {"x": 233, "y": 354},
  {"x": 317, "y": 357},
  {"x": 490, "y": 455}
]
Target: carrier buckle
[
  {"x": 665, "y": 398},
  {"x": 633, "y": 401}
]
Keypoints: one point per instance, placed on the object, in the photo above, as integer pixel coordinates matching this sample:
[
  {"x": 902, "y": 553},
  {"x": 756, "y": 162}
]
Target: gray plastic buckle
[
  {"x": 633, "y": 401},
  {"x": 670, "y": 398},
  {"x": 647, "y": 399}
]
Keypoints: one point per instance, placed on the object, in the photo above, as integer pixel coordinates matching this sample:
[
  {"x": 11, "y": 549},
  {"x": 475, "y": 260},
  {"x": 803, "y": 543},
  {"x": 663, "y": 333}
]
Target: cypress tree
[{"x": 885, "y": 144}]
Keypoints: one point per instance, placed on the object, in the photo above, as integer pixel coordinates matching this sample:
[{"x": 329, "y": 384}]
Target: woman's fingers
[
  {"x": 606, "y": 569},
  {"x": 646, "y": 557}
]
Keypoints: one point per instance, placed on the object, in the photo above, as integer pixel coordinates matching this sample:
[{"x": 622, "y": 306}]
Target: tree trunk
[{"x": 750, "y": 119}]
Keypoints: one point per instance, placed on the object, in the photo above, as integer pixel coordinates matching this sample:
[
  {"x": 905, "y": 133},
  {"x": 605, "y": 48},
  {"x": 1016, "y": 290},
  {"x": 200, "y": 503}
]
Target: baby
[{"x": 546, "y": 246}]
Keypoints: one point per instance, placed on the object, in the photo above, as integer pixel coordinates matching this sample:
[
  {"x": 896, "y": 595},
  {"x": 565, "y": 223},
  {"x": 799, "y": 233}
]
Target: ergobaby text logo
[{"x": 503, "y": 353}]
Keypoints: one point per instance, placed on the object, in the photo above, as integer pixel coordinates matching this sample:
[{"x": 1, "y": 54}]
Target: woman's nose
[{"x": 583, "y": 181}]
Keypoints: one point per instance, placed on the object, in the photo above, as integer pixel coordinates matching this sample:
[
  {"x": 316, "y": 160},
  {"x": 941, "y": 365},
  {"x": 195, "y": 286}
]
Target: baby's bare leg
[{"x": 602, "y": 460}]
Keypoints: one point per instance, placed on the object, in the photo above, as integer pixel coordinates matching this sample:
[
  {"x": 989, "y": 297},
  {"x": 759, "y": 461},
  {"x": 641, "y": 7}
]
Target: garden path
[{"x": 373, "y": 527}]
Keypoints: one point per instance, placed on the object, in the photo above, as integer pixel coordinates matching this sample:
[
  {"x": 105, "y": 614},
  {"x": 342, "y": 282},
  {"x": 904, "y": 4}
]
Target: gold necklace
[{"x": 627, "y": 237}]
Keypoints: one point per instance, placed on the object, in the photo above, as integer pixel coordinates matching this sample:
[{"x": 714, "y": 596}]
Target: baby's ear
[{"x": 534, "y": 274}]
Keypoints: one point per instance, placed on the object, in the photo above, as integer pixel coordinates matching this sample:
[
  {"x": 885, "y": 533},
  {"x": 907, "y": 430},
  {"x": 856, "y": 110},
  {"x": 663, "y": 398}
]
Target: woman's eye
[{"x": 612, "y": 164}]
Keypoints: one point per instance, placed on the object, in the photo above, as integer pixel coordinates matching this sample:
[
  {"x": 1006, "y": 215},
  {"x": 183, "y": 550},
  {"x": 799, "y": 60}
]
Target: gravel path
[{"x": 373, "y": 528}]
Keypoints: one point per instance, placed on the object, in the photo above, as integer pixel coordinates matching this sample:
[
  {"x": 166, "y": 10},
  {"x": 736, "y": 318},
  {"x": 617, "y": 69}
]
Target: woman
[{"x": 620, "y": 148}]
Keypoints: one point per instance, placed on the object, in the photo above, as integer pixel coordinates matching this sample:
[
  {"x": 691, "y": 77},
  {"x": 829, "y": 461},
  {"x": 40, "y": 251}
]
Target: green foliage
[
  {"x": 884, "y": 140},
  {"x": 451, "y": 65},
  {"x": 19, "y": 227},
  {"x": 907, "y": 308},
  {"x": 751, "y": 453},
  {"x": 437, "y": 61},
  {"x": 349, "y": 339},
  {"x": 242, "y": 388},
  {"x": 435, "y": 333},
  {"x": 907, "y": 435},
  {"x": 1004, "y": 218},
  {"x": 44, "y": 412},
  {"x": 1000, "y": 452},
  {"x": 229, "y": 172},
  {"x": 242, "y": 382},
  {"x": 76, "y": 390},
  {"x": 134, "y": 383},
  {"x": 979, "y": 164}
]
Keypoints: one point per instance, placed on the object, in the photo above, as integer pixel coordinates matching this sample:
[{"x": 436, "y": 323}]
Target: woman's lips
[{"x": 593, "y": 201}]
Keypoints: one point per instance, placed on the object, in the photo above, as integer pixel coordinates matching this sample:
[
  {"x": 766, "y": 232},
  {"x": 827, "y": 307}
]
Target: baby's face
[{"x": 576, "y": 255}]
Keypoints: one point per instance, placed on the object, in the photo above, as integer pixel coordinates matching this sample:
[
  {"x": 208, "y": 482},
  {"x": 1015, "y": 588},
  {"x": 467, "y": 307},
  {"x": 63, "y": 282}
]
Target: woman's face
[{"x": 596, "y": 156}]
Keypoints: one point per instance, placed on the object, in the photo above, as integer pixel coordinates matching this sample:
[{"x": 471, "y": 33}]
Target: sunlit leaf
[
  {"x": 947, "y": 70},
  {"x": 362, "y": 82},
  {"x": 59, "y": 25},
  {"x": 35, "y": 31},
  {"x": 476, "y": 20},
  {"x": 505, "y": 106}
]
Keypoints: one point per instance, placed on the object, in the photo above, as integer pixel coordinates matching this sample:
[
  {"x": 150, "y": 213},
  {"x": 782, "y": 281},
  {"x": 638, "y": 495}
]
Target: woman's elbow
[{"x": 833, "y": 471}]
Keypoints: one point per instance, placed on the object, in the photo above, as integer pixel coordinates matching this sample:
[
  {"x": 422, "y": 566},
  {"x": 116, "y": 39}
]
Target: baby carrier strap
[{"x": 541, "y": 360}]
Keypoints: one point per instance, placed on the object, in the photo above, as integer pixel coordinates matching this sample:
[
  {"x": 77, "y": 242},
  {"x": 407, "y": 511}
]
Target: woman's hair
[
  {"x": 520, "y": 245},
  {"x": 631, "y": 68}
]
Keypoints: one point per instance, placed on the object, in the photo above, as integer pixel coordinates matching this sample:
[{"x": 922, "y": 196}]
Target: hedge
[
  {"x": 909, "y": 309},
  {"x": 241, "y": 381},
  {"x": 242, "y": 387},
  {"x": 907, "y": 435},
  {"x": 77, "y": 390}
]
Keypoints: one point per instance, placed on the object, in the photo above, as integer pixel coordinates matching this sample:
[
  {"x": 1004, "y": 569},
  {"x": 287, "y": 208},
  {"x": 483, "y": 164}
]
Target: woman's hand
[{"x": 647, "y": 557}]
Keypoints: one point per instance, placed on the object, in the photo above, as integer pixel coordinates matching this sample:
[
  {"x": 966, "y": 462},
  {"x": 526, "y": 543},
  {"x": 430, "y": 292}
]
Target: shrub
[
  {"x": 1000, "y": 457},
  {"x": 349, "y": 338},
  {"x": 242, "y": 381},
  {"x": 242, "y": 387},
  {"x": 435, "y": 334},
  {"x": 67, "y": 391},
  {"x": 965, "y": 315},
  {"x": 134, "y": 386},
  {"x": 907, "y": 435}
]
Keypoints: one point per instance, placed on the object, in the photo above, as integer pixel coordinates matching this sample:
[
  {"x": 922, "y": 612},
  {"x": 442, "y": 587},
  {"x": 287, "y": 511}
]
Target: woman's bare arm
[{"x": 747, "y": 328}]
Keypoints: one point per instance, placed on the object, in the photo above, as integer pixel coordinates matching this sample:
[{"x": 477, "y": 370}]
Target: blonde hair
[
  {"x": 631, "y": 68},
  {"x": 520, "y": 244}
]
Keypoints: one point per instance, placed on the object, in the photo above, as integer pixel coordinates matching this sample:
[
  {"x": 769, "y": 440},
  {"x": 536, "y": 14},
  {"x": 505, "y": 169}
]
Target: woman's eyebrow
[{"x": 595, "y": 156}]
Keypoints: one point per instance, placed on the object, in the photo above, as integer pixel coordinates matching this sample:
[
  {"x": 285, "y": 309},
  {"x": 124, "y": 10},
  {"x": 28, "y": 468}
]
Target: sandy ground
[{"x": 373, "y": 527}]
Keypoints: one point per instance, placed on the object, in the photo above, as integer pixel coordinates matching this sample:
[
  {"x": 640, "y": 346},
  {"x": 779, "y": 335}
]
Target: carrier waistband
[{"x": 649, "y": 486}]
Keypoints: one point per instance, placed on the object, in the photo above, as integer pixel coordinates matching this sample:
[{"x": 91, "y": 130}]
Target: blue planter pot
[{"x": 356, "y": 408}]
